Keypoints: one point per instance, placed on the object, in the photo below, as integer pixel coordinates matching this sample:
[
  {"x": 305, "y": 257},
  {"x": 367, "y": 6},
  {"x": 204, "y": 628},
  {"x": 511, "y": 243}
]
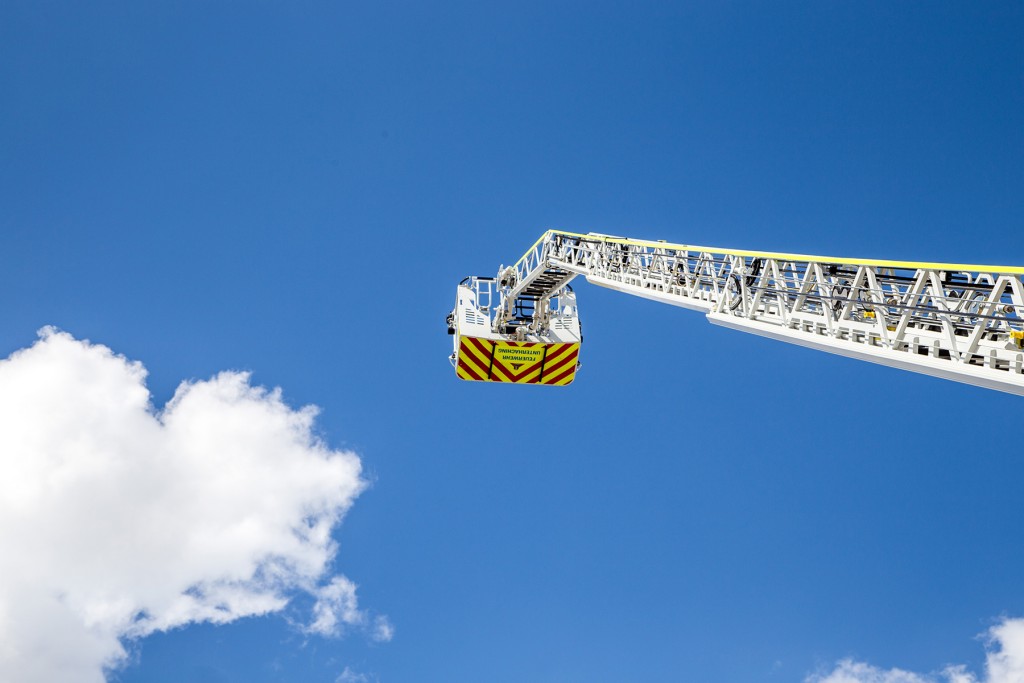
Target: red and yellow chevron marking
[{"x": 486, "y": 360}]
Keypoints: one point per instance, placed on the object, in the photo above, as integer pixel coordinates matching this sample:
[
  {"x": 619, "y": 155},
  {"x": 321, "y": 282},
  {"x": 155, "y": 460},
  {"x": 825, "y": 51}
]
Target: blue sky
[{"x": 294, "y": 189}]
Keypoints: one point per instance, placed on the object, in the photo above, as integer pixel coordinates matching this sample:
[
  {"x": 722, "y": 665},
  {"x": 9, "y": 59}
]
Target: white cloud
[
  {"x": 849, "y": 671},
  {"x": 336, "y": 604},
  {"x": 383, "y": 630},
  {"x": 1004, "y": 663},
  {"x": 117, "y": 520},
  {"x": 350, "y": 676},
  {"x": 337, "y": 607}
]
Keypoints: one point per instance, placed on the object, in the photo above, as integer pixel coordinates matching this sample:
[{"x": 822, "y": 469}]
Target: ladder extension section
[{"x": 955, "y": 321}]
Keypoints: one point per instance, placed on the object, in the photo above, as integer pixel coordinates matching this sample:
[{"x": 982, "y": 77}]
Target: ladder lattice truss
[{"x": 959, "y": 322}]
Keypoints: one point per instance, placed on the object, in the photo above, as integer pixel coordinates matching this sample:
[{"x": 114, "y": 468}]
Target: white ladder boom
[{"x": 956, "y": 321}]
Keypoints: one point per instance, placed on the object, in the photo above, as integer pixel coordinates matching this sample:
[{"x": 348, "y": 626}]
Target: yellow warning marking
[{"x": 487, "y": 360}]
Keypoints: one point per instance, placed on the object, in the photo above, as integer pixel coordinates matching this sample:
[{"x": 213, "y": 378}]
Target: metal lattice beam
[{"x": 958, "y": 321}]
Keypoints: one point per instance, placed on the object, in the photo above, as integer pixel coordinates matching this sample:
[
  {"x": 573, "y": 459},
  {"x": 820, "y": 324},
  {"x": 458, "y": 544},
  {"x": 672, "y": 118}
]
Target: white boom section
[{"x": 956, "y": 321}]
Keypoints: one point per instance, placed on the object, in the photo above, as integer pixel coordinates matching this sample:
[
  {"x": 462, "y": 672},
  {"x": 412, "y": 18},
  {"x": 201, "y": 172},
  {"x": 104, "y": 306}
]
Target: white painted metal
[
  {"x": 553, "y": 319},
  {"x": 958, "y": 322}
]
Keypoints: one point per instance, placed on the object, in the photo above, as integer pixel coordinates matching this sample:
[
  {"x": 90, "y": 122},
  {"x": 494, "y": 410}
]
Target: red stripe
[
  {"x": 533, "y": 366},
  {"x": 558, "y": 379},
  {"x": 527, "y": 371},
  {"x": 554, "y": 368},
  {"x": 488, "y": 352},
  {"x": 474, "y": 356},
  {"x": 467, "y": 360},
  {"x": 466, "y": 369},
  {"x": 505, "y": 371},
  {"x": 468, "y": 357},
  {"x": 480, "y": 345},
  {"x": 516, "y": 376},
  {"x": 555, "y": 352}
]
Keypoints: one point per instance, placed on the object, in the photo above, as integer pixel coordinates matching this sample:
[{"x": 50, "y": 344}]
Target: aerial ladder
[{"x": 960, "y": 322}]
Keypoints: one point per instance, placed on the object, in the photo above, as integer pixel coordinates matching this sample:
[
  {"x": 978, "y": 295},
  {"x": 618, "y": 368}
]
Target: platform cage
[{"x": 524, "y": 340}]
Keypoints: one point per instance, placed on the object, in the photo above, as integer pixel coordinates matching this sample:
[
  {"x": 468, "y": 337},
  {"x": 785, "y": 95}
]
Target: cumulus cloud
[
  {"x": 118, "y": 520},
  {"x": 1004, "y": 663}
]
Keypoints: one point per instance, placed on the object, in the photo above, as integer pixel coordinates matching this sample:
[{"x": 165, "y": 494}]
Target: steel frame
[{"x": 960, "y": 322}]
